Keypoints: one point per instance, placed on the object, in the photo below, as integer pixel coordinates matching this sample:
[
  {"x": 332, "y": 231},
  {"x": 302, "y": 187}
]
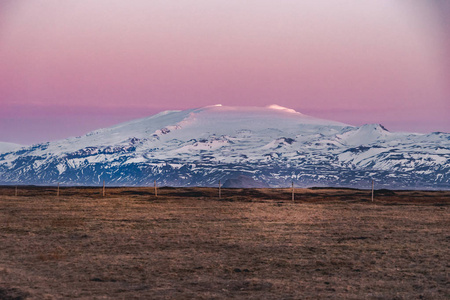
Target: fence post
[
  {"x": 372, "y": 189},
  {"x": 293, "y": 194}
]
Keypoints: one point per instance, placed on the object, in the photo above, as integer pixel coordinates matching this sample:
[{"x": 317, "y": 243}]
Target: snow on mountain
[
  {"x": 8, "y": 147},
  {"x": 366, "y": 134},
  {"x": 201, "y": 146}
]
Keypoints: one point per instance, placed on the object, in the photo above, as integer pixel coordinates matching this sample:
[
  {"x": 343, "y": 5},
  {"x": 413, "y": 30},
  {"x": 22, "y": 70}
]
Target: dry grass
[{"x": 253, "y": 244}]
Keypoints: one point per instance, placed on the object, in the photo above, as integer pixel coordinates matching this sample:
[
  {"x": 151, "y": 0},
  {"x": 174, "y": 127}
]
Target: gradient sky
[{"x": 67, "y": 67}]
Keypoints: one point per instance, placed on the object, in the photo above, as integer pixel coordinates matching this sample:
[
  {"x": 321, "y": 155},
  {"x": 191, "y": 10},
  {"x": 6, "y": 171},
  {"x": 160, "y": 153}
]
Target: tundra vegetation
[{"x": 250, "y": 244}]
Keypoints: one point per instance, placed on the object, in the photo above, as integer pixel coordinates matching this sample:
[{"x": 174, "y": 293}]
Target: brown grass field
[{"x": 251, "y": 244}]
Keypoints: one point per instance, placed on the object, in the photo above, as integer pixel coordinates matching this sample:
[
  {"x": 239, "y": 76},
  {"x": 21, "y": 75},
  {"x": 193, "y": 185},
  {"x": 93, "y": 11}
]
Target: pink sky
[{"x": 67, "y": 67}]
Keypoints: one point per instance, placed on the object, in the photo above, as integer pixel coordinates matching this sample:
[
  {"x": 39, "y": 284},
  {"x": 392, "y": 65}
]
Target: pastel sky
[{"x": 67, "y": 67}]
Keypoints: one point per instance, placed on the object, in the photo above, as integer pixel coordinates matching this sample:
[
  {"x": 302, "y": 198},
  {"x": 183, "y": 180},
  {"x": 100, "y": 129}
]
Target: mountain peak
[
  {"x": 278, "y": 107},
  {"x": 268, "y": 108},
  {"x": 365, "y": 135},
  {"x": 375, "y": 127},
  {"x": 272, "y": 113}
]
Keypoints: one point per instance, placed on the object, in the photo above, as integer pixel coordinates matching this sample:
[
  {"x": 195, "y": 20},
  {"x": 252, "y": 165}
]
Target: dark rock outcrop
[{"x": 243, "y": 181}]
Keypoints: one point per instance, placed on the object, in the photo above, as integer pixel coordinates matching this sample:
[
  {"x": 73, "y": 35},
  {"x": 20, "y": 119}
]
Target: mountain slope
[
  {"x": 271, "y": 144},
  {"x": 8, "y": 147}
]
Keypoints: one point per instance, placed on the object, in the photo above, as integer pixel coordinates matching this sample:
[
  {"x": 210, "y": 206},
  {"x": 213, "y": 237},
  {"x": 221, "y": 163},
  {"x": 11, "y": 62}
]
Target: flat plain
[{"x": 250, "y": 244}]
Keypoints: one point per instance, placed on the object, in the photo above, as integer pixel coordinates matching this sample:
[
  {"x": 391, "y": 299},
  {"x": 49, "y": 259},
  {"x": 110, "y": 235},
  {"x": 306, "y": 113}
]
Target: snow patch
[
  {"x": 279, "y": 107},
  {"x": 9, "y": 147}
]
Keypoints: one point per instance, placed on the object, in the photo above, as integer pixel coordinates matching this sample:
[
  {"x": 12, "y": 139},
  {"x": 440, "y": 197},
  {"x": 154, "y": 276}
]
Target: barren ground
[{"x": 251, "y": 244}]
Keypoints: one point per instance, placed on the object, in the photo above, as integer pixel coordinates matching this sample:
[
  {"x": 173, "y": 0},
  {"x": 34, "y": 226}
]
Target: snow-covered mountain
[
  {"x": 199, "y": 147},
  {"x": 8, "y": 147}
]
